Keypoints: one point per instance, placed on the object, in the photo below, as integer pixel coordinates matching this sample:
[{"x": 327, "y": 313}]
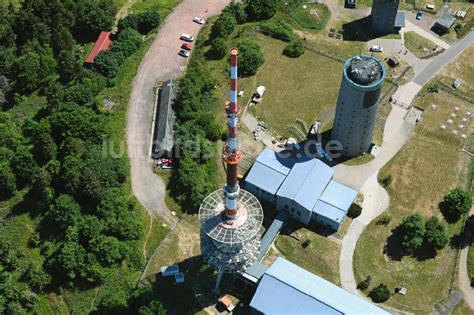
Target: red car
[{"x": 186, "y": 46}]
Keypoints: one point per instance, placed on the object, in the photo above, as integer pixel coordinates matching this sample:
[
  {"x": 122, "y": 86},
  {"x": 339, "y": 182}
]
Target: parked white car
[
  {"x": 198, "y": 20},
  {"x": 187, "y": 37},
  {"x": 376, "y": 48}
]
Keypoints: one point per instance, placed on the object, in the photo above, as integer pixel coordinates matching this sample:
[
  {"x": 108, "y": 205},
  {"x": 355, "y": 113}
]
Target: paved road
[
  {"x": 376, "y": 201},
  {"x": 439, "y": 62},
  {"x": 160, "y": 63}
]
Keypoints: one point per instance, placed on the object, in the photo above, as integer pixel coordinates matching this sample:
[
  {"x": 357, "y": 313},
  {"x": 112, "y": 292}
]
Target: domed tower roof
[{"x": 364, "y": 70}]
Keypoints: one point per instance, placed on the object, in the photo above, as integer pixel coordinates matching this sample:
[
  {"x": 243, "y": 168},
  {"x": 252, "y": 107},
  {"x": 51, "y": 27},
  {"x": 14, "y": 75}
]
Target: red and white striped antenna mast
[
  {"x": 232, "y": 155},
  {"x": 231, "y": 217}
]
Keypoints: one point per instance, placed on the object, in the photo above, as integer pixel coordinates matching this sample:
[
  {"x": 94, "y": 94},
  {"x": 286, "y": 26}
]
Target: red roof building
[{"x": 102, "y": 43}]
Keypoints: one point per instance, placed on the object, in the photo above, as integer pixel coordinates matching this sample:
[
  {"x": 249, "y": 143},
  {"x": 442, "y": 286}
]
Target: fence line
[{"x": 454, "y": 93}]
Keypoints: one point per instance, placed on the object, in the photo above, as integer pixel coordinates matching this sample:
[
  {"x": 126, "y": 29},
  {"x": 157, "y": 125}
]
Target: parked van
[
  {"x": 457, "y": 84},
  {"x": 187, "y": 37}
]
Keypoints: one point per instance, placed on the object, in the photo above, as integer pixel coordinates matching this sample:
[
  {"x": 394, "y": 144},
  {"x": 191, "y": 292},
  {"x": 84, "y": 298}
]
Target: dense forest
[{"x": 52, "y": 158}]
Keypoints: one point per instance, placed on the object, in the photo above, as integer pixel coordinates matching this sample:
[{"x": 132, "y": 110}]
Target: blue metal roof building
[
  {"x": 335, "y": 202},
  {"x": 269, "y": 171},
  {"x": 286, "y": 288},
  {"x": 302, "y": 187},
  {"x": 306, "y": 182}
]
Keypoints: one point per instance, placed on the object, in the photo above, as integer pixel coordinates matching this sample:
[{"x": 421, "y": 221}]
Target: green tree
[
  {"x": 435, "y": 234},
  {"x": 238, "y": 11},
  {"x": 92, "y": 17},
  {"x": 130, "y": 21},
  {"x": 147, "y": 21},
  {"x": 23, "y": 165},
  {"x": 294, "y": 49},
  {"x": 36, "y": 276},
  {"x": 251, "y": 58},
  {"x": 107, "y": 249},
  {"x": 68, "y": 66},
  {"x": 70, "y": 174},
  {"x": 44, "y": 147},
  {"x": 77, "y": 122},
  {"x": 209, "y": 125},
  {"x": 456, "y": 203},
  {"x": 63, "y": 40},
  {"x": 108, "y": 63},
  {"x": 116, "y": 213},
  {"x": 262, "y": 9},
  {"x": 65, "y": 212},
  {"x": 412, "y": 231},
  {"x": 90, "y": 228},
  {"x": 192, "y": 183},
  {"x": 155, "y": 307},
  {"x": 7, "y": 181},
  {"x": 129, "y": 40},
  {"x": 380, "y": 294},
  {"x": 27, "y": 72},
  {"x": 224, "y": 25}
]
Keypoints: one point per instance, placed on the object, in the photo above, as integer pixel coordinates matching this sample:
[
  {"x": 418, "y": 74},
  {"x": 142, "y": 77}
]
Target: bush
[
  {"x": 456, "y": 203},
  {"x": 354, "y": 211},
  {"x": 386, "y": 181},
  {"x": 238, "y": 11},
  {"x": 433, "y": 88},
  {"x": 380, "y": 294},
  {"x": 219, "y": 48},
  {"x": 277, "y": 29},
  {"x": 364, "y": 284},
  {"x": 251, "y": 58},
  {"x": 306, "y": 243},
  {"x": 385, "y": 220},
  {"x": 294, "y": 49}
]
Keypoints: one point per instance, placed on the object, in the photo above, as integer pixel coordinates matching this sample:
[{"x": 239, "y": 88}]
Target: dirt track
[{"x": 160, "y": 63}]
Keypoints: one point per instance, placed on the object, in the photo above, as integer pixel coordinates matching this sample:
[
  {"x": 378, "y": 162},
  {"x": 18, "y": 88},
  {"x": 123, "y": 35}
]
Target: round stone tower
[{"x": 358, "y": 103}]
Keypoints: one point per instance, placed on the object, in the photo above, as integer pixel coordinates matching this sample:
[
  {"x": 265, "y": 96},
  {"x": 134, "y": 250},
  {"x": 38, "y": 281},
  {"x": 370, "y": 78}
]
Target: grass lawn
[
  {"x": 320, "y": 257},
  {"x": 311, "y": 15},
  {"x": 417, "y": 44},
  {"x": 423, "y": 171},
  {"x": 293, "y": 92},
  {"x": 461, "y": 68}
]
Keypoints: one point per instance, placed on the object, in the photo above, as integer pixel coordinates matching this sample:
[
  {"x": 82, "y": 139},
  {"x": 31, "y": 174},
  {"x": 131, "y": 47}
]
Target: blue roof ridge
[{"x": 336, "y": 207}]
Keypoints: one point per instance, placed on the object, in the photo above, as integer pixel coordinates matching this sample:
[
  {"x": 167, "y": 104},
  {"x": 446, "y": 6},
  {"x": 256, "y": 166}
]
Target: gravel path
[{"x": 160, "y": 63}]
